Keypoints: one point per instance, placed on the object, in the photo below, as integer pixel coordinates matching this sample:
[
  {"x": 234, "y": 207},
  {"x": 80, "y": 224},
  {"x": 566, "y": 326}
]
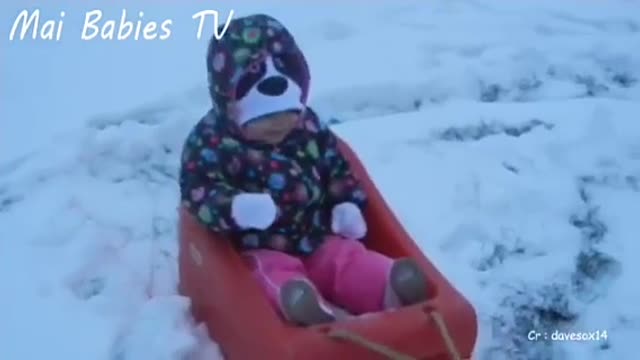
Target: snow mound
[{"x": 504, "y": 136}]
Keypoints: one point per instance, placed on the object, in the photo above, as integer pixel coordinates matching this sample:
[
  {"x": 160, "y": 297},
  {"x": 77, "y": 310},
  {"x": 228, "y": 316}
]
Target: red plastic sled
[{"x": 238, "y": 316}]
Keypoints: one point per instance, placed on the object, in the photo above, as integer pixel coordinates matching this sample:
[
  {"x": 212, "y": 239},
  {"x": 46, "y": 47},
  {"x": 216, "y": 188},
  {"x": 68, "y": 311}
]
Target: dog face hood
[{"x": 256, "y": 69}]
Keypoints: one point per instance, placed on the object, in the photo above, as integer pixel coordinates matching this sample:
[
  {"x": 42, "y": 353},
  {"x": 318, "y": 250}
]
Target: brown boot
[
  {"x": 302, "y": 305},
  {"x": 408, "y": 282}
]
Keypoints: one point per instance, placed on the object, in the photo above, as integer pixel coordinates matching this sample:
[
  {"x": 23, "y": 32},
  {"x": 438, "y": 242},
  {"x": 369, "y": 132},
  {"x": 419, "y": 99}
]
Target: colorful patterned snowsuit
[{"x": 305, "y": 175}]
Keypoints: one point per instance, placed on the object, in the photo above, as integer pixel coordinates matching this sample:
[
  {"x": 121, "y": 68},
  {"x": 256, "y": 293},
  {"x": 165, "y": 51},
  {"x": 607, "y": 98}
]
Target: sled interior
[{"x": 226, "y": 298}]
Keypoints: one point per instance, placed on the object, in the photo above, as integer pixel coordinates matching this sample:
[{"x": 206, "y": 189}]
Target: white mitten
[
  {"x": 253, "y": 210},
  {"x": 347, "y": 220}
]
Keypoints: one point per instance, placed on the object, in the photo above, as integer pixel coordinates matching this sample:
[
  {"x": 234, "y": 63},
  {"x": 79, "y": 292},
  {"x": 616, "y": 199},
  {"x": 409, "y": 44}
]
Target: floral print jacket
[{"x": 305, "y": 174}]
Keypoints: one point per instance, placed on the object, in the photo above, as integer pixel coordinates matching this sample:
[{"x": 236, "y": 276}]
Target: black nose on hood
[{"x": 273, "y": 86}]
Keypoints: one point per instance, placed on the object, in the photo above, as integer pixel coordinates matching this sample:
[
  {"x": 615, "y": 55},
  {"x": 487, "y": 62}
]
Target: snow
[
  {"x": 523, "y": 219},
  {"x": 512, "y": 124}
]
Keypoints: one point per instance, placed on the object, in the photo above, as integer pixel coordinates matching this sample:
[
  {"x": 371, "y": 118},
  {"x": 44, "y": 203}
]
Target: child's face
[{"x": 271, "y": 129}]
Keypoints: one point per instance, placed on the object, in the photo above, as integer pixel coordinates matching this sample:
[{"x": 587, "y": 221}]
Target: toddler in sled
[{"x": 261, "y": 168}]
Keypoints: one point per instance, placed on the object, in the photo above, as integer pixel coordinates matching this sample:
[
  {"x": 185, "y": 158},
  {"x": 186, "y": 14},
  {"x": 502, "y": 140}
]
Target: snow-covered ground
[{"x": 514, "y": 124}]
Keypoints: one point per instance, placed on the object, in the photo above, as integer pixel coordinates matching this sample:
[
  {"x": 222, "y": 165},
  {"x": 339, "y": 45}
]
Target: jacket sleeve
[
  {"x": 204, "y": 188},
  {"x": 342, "y": 185}
]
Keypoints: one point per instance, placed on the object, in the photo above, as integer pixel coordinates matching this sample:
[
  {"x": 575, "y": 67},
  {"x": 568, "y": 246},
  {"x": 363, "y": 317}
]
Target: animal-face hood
[{"x": 256, "y": 69}]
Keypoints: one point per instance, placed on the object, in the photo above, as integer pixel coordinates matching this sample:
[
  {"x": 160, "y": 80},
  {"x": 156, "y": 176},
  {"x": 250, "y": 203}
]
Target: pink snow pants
[{"x": 343, "y": 271}]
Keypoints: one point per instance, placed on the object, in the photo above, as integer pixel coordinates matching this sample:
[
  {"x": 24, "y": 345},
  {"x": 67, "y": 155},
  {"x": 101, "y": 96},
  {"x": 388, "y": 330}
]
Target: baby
[{"x": 262, "y": 169}]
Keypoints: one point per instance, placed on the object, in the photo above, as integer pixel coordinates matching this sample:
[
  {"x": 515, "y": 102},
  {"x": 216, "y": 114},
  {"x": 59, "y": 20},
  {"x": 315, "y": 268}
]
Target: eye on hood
[{"x": 238, "y": 61}]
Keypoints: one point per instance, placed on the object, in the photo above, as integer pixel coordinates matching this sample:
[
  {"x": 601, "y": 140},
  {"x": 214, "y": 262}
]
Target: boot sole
[
  {"x": 408, "y": 281},
  {"x": 301, "y": 304}
]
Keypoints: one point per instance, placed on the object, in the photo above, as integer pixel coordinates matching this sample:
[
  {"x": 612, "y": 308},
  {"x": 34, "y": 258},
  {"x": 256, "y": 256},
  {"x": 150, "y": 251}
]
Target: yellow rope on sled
[
  {"x": 446, "y": 336},
  {"x": 393, "y": 354}
]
